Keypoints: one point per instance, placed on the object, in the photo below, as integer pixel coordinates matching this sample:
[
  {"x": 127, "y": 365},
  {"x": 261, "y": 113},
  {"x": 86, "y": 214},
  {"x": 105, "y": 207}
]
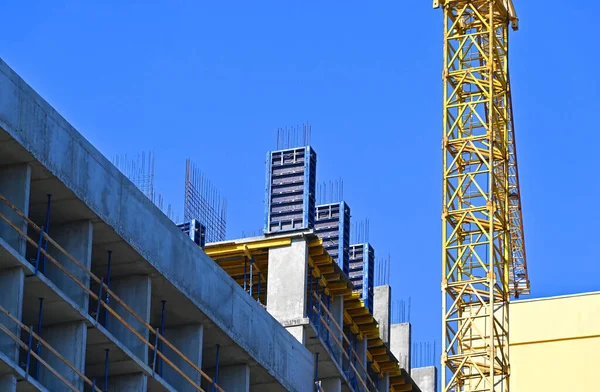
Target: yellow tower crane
[{"x": 483, "y": 255}]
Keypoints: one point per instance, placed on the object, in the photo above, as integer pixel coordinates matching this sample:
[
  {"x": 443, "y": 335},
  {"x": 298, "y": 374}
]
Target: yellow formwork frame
[{"x": 480, "y": 197}]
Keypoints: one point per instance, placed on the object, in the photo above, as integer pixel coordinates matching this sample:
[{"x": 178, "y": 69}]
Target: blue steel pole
[
  {"x": 251, "y": 281},
  {"x": 47, "y": 226},
  {"x": 317, "y": 386},
  {"x": 108, "y": 286},
  {"x": 162, "y": 333},
  {"x": 106, "y": 369},
  {"x": 216, "y": 379},
  {"x": 245, "y": 267},
  {"x": 39, "y": 251},
  {"x": 258, "y": 286},
  {"x": 39, "y": 332}
]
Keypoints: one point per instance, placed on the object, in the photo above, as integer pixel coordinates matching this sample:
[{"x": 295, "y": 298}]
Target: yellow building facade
[{"x": 555, "y": 344}]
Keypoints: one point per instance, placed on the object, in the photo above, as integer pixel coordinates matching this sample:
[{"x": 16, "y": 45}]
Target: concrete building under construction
[{"x": 101, "y": 291}]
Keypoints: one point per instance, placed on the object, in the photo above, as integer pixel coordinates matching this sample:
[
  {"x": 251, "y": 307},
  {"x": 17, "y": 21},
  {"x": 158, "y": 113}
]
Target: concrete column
[
  {"x": 135, "y": 291},
  {"x": 400, "y": 344},
  {"x": 382, "y": 298},
  {"x": 8, "y": 383},
  {"x": 332, "y": 384},
  {"x": 15, "y": 184},
  {"x": 76, "y": 239},
  {"x": 337, "y": 311},
  {"x": 235, "y": 378},
  {"x": 12, "y": 282},
  {"x": 188, "y": 340},
  {"x": 425, "y": 378},
  {"x": 384, "y": 383},
  {"x": 286, "y": 285},
  {"x": 69, "y": 340},
  {"x": 137, "y": 382}
]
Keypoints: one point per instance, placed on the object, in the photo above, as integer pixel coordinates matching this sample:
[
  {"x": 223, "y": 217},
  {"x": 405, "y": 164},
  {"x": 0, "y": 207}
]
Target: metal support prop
[
  {"x": 258, "y": 286},
  {"x": 39, "y": 332},
  {"x": 39, "y": 251},
  {"x": 106, "y": 350},
  {"x": 317, "y": 387},
  {"x": 47, "y": 226},
  {"x": 328, "y": 321},
  {"x": 318, "y": 317},
  {"x": 108, "y": 286},
  {"x": 245, "y": 268},
  {"x": 310, "y": 300},
  {"x": 98, "y": 306},
  {"x": 162, "y": 333},
  {"x": 28, "y": 361},
  {"x": 251, "y": 281},
  {"x": 216, "y": 379},
  {"x": 155, "y": 349}
]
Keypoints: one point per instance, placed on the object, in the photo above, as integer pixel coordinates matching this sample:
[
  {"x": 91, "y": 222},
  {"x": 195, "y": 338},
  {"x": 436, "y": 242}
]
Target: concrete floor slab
[{"x": 24, "y": 383}]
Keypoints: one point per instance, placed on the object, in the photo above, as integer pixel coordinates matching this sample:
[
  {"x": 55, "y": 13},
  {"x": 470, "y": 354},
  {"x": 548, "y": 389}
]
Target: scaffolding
[{"x": 204, "y": 203}]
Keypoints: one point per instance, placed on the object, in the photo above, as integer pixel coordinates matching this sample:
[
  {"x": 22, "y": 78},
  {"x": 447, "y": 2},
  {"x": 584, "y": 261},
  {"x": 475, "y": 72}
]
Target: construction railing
[
  {"x": 33, "y": 340},
  {"x": 102, "y": 299},
  {"x": 329, "y": 330}
]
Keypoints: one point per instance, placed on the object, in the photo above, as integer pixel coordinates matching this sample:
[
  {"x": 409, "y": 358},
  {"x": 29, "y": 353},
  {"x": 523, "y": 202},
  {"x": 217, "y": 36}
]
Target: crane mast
[{"x": 483, "y": 248}]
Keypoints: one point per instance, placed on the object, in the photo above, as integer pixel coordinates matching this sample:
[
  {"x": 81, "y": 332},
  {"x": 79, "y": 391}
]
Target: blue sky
[{"x": 213, "y": 80}]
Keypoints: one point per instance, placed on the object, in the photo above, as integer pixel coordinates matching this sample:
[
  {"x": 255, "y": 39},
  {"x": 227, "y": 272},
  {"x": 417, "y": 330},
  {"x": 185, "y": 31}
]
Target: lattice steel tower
[{"x": 483, "y": 255}]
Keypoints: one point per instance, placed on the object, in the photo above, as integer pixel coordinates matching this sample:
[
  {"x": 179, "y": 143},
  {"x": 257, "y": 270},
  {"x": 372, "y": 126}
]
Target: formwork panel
[
  {"x": 332, "y": 225},
  {"x": 362, "y": 272},
  {"x": 290, "y": 190},
  {"x": 195, "y": 230}
]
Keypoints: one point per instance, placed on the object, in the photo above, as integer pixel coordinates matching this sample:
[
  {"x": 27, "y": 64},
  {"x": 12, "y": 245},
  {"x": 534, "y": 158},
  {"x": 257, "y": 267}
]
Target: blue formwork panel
[
  {"x": 290, "y": 190},
  {"x": 362, "y": 272},
  {"x": 332, "y": 225},
  {"x": 195, "y": 230}
]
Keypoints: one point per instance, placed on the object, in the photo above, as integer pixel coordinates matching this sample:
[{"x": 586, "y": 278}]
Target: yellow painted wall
[{"x": 555, "y": 344}]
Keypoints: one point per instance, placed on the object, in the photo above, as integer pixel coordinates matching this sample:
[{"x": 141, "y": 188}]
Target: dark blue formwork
[
  {"x": 362, "y": 272},
  {"x": 332, "y": 225},
  {"x": 195, "y": 230},
  {"x": 290, "y": 190}
]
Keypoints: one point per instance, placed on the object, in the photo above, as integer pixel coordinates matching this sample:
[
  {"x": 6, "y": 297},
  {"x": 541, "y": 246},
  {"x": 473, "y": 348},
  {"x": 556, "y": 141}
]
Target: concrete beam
[
  {"x": 382, "y": 298},
  {"x": 337, "y": 311},
  {"x": 286, "y": 286},
  {"x": 15, "y": 185},
  {"x": 400, "y": 342},
  {"x": 12, "y": 282},
  {"x": 425, "y": 378},
  {"x": 8, "y": 383},
  {"x": 361, "y": 353},
  {"x": 76, "y": 239},
  {"x": 135, "y": 291},
  {"x": 188, "y": 340},
  {"x": 69, "y": 340}
]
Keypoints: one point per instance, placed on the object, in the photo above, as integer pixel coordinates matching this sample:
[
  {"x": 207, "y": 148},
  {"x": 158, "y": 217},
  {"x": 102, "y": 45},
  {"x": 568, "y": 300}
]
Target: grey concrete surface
[
  {"x": 12, "y": 282},
  {"x": 332, "y": 384},
  {"x": 383, "y": 385},
  {"x": 400, "y": 342},
  {"x": 69, "y": 340},
  {"x": 15, "y": 185},
  {"x": 425, "y": 378},
  {"x": 382, "y": 298},
  {"x": 135, "y": 291},
  {"x": 32, "y": 127},
  {"x": 76, "y": 239},
  {"x": 361, "y": 354},
  {"x": 187, "y": 339},
  {"x": 337, "y": 311}
]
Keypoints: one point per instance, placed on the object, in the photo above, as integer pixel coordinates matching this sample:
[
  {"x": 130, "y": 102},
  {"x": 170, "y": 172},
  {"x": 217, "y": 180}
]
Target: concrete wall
[
  {"x": 382, "y": 298},
  {"x": 30, "y": 120},
  {"x": 560, "y": 335}
]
